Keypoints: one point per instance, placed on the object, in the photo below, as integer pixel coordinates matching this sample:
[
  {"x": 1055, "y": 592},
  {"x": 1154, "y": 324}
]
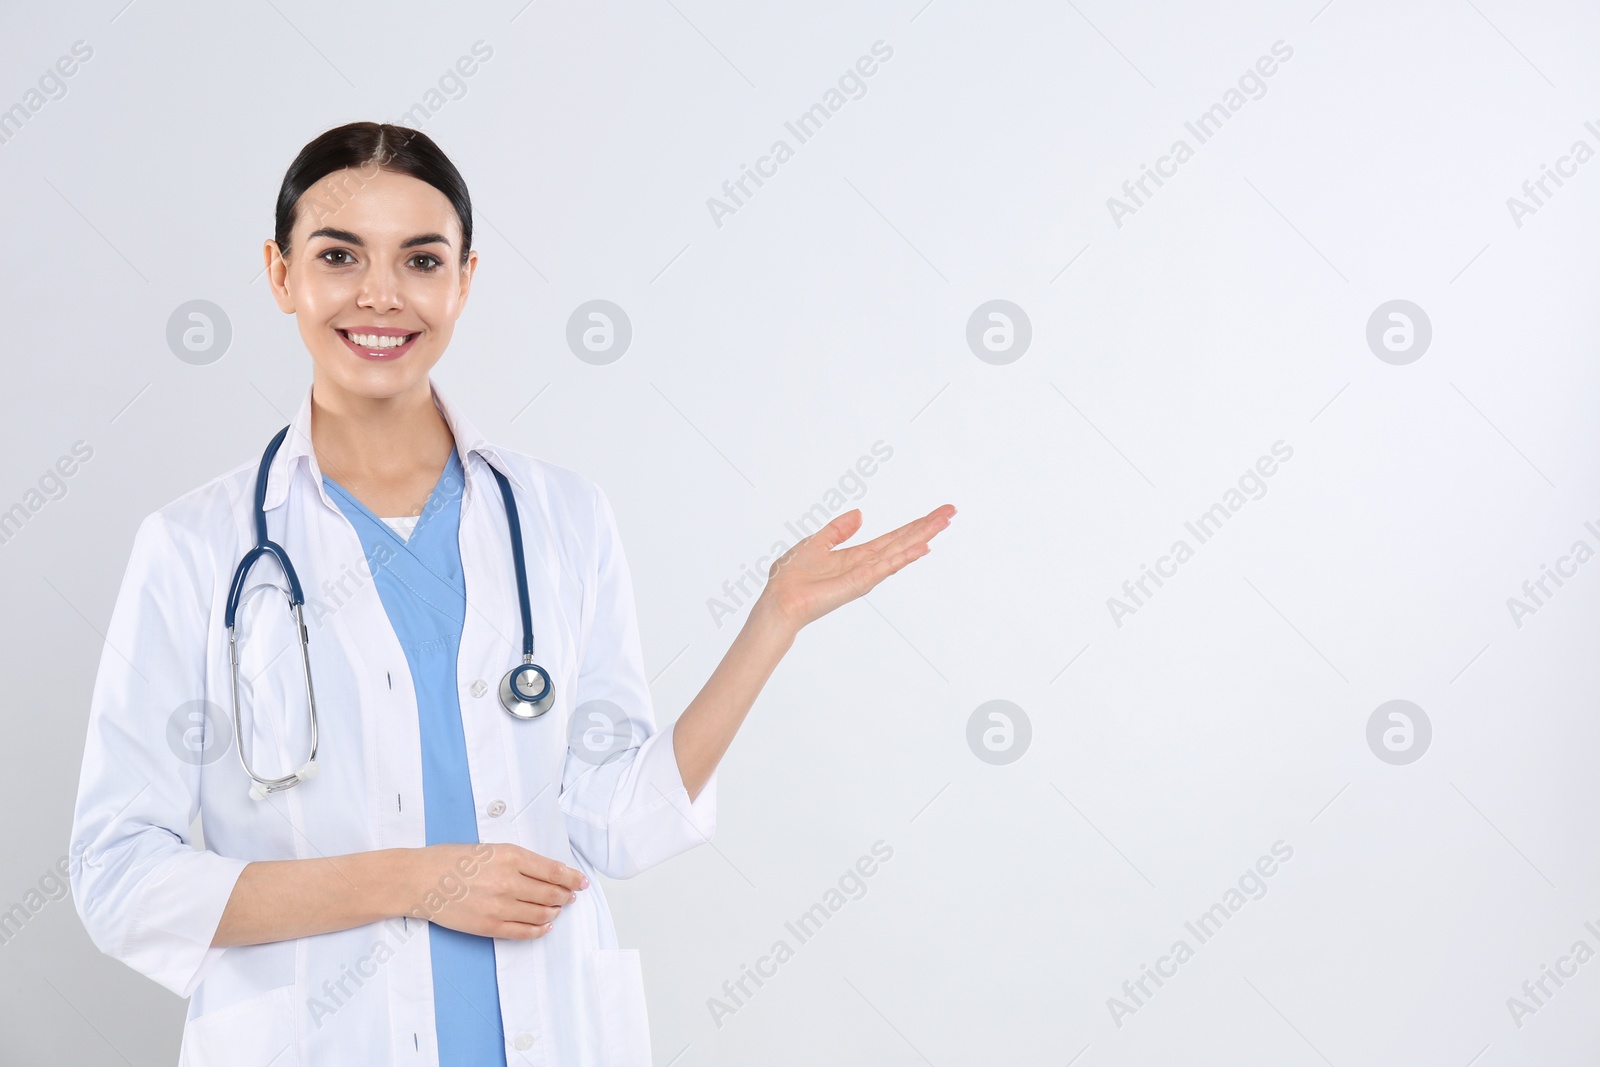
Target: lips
[{"x": 382, "y": 352}]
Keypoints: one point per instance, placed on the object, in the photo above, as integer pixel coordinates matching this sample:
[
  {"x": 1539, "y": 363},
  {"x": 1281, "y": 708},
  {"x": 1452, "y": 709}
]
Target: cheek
[
  {"x": 318, "y": 298},
  {"x": 438, "y": 299},
  {"x": 437, "y": 304},
  {"x": 316, "y": 333},
  {"x": 318, "y": 303}
]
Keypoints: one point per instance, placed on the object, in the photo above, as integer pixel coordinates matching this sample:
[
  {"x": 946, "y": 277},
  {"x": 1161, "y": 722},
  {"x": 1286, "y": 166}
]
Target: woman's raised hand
[{"x": 814, "y": 577}]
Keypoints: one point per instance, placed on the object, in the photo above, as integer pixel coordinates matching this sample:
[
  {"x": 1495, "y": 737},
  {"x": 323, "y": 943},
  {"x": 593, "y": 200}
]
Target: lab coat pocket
[
  {"x": 624, "y": 1025},
  {"x": 256, "y": 1032}
]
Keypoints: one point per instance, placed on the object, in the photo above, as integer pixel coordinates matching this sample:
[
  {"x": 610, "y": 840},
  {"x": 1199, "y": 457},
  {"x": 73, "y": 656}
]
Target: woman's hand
[
  {"x": 491, "y": 889},
  {"x": 813, "y": 578}
]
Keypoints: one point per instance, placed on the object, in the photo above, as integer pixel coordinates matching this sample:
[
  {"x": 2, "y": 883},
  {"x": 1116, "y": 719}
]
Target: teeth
[{"x": 370, "y": 340}]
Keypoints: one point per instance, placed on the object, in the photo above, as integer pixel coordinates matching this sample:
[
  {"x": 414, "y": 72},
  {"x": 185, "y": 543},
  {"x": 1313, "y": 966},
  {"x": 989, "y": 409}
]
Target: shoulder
[
  {"x": 206, "y": 521},
  {"x": 571, "y": 498},
  {"x": 577, "y": 513}
]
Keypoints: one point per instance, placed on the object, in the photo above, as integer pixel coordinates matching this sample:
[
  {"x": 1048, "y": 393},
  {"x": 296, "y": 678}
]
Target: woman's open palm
[{"x": 814, "y": 577}]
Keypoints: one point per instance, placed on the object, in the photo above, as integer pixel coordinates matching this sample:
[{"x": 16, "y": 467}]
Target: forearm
[
  {"x": 276, "y": 900},
  {"x": 704, "y": 731}
]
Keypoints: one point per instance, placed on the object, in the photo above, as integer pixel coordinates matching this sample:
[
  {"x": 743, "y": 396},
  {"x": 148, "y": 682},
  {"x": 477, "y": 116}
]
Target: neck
[{"x": 362, "y": 440}]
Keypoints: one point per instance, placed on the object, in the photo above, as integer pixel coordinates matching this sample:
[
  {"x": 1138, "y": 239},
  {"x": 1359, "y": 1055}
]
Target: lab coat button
[
  {"x": 524, "y": 1042},
  {"x": 496, "y": 809},
  {"x": 480, "y": 687}
]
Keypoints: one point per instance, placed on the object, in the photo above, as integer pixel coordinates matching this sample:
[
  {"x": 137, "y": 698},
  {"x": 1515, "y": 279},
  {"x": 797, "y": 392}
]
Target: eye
[
  {"x": 336, "y": 252},
  {"x": 434, "y": 262}
]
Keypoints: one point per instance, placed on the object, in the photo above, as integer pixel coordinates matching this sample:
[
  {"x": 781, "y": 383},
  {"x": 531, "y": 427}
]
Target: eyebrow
[{"x": 350, "y": 238}]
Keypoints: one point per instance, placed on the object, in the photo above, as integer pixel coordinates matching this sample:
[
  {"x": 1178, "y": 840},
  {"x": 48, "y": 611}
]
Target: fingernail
[{"x": 583, "y": 882}]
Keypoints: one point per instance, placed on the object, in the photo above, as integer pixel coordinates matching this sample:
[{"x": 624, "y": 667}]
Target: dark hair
[{"x": 370, "y": 147}]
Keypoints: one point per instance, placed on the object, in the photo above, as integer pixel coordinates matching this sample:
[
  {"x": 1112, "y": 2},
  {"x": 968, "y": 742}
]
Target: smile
[{"x": 379, "y": 344}]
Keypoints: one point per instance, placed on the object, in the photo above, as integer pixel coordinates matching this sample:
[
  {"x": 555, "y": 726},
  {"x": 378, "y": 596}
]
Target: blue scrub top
[{"x": 425, "y": 596}]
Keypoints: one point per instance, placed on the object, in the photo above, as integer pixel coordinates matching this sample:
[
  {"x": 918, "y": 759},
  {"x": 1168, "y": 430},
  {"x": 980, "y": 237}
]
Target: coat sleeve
[
  {"x": 623, "y": 797},
  {"x": 146, "y": 894}
]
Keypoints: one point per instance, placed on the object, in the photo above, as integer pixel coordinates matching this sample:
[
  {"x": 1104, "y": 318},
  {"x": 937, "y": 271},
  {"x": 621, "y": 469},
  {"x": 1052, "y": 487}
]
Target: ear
[
  {"x": 467, "y": 271},
  {"x": 278, "y": 276}
]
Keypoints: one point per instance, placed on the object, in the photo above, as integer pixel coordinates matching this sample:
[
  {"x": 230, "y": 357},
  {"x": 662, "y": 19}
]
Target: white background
[{"x": 1168, "y": 354}]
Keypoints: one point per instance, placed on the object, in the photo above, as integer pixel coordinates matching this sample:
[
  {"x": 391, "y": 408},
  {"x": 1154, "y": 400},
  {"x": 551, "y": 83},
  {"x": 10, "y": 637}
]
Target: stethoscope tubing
[{"x": 513, "y": 696}]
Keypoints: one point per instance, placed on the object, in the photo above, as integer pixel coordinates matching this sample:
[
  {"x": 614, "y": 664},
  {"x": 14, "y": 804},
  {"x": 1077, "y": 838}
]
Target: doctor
[{"x": 424, "y": 890}]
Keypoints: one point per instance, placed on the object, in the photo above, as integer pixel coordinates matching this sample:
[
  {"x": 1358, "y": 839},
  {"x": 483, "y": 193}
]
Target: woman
[{"x": 425, "y": 807}]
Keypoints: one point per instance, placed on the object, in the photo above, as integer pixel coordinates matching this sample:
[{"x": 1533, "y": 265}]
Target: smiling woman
[
  {"x": 374, "y": 206},
  {"x": 419, "y": 802}
]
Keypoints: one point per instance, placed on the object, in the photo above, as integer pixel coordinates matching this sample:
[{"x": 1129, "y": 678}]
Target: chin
[{"x": 375, "y": 381}]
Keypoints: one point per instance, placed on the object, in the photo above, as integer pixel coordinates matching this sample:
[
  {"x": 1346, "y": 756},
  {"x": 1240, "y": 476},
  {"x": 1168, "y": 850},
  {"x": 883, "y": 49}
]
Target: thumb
[{"x": 842, "y": 528}]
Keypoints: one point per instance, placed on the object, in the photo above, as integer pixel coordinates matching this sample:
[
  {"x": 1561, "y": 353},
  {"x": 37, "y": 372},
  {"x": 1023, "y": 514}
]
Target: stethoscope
[{"x": 526, "y": 691}]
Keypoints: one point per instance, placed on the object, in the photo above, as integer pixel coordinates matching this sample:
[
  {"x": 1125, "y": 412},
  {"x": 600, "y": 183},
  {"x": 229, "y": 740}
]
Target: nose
[{"x": 380, "y": 288}]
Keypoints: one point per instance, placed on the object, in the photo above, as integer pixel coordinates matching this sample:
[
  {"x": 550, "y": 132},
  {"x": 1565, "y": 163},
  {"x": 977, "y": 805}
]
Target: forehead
[{"x": 377, "y": 205}]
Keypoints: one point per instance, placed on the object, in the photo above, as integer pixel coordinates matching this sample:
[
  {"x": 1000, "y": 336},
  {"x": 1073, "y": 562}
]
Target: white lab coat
[{"x": 152, "y": 897}]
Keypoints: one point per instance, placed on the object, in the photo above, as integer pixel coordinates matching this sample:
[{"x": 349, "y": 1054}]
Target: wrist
[
  {"x": 769, "y": 619},
  {"x": 401, "y": 876}
]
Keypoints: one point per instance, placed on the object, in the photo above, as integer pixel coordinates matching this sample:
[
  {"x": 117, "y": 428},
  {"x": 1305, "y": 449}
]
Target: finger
[
  {"x": 553, "y": 871},
  {"x": 520, "y": 931},
  {"x": 855, "y": 562},
  {"x": 567, "y": 877},
  {"x": 869, "y": 574},
  {"x": 535, "y": 914},
  {"x": 914, "y": 532},
  {"x": 538, "y": 891},
  {"x": 841, "y": 529}
]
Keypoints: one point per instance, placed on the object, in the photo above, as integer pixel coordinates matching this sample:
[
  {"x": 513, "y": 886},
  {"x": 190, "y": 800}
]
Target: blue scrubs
[{"x": 424, "y": 594}]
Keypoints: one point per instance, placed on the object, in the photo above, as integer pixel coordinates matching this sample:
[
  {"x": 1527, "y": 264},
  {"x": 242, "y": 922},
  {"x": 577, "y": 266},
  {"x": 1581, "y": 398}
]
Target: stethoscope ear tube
[
  {"x": 261, "y": 787},
  {"x": 264, "y": 546},
  {"x": 242, "y": 572}
]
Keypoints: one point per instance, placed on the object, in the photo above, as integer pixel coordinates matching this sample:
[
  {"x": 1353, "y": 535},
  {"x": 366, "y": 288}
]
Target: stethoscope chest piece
[{"x": 526, "y": 691}]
